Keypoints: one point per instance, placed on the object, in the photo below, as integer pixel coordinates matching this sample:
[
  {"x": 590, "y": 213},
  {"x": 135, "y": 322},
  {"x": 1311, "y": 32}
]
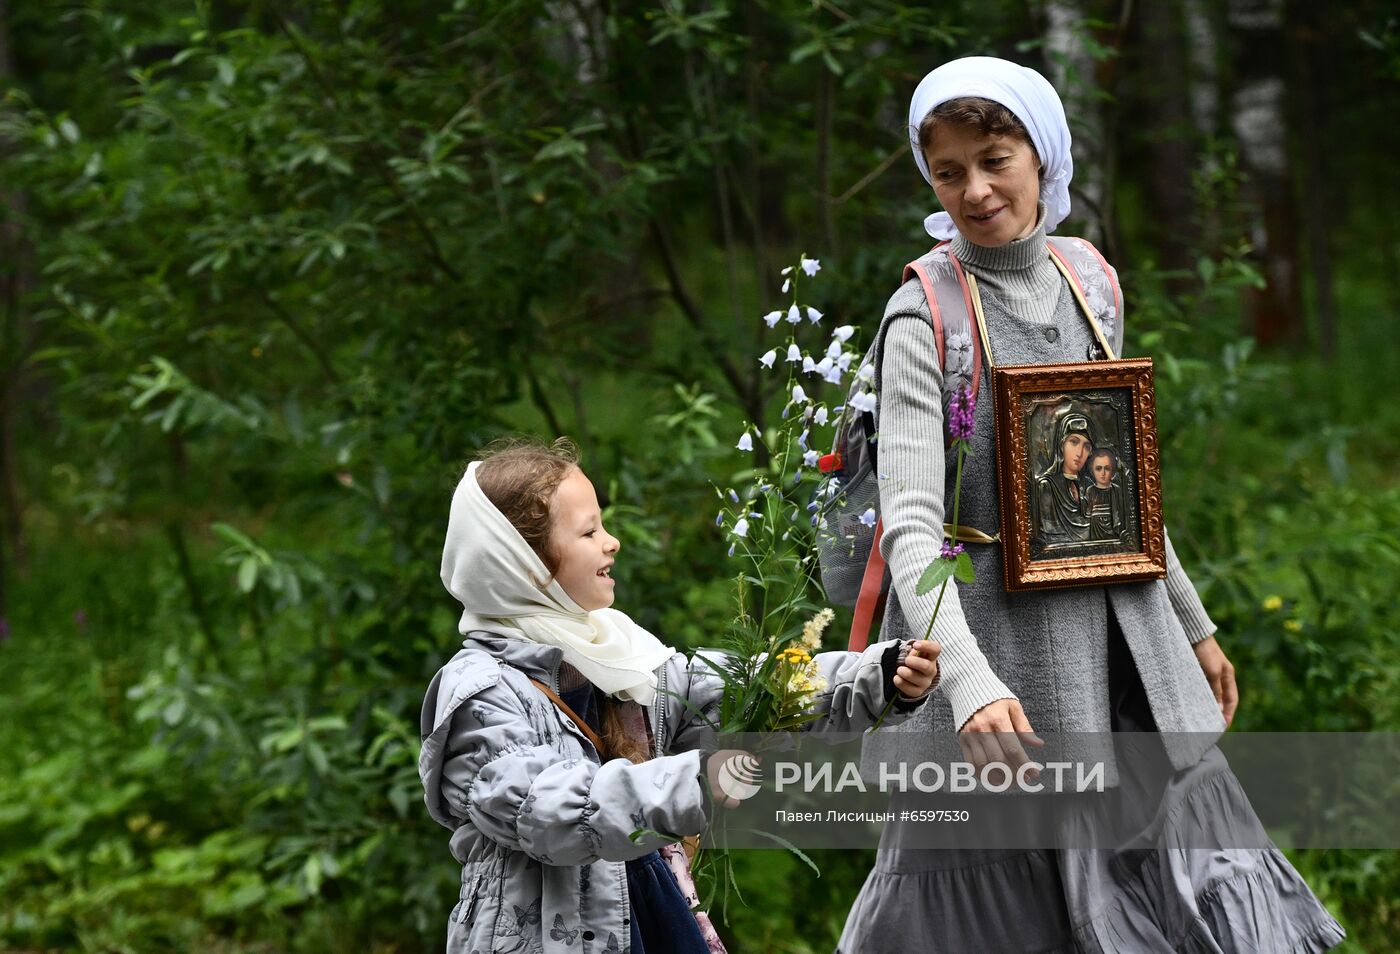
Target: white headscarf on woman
[
  {"x": 1033, "y": 101},
  {"x": 497, "y": 577}
]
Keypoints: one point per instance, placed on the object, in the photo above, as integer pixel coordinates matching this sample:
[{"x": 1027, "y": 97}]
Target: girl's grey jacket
[{"x": 540, "y": 827}]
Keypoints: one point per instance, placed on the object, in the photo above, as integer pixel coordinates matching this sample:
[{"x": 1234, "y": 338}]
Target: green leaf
[
  {"x": 963, "y": 568},
  {"x": 938, "y": 571},
  {"x": 247, "y": 574}
]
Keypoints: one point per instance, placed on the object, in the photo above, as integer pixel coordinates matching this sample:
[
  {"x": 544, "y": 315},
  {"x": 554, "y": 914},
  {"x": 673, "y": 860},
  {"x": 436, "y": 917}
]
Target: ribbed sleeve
[
  {"x": 911, "y": 505},
  {"x": 1186, "y": 602}
]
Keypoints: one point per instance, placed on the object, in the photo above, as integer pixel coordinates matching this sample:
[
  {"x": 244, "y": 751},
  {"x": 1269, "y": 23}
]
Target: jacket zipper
[{"x": 660, "y": 708}]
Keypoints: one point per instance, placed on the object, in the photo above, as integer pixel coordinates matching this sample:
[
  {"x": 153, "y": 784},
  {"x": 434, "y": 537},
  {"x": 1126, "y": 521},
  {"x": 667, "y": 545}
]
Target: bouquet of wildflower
[{"x": 770, "y": 518}]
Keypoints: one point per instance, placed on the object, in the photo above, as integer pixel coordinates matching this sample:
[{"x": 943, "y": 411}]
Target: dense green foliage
[{"x": 283, "y": 267}]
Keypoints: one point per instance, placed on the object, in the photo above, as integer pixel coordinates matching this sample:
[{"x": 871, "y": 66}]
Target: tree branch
[
  {"x": 429, "y": 239},
  {"x": 747, "y": 399}
]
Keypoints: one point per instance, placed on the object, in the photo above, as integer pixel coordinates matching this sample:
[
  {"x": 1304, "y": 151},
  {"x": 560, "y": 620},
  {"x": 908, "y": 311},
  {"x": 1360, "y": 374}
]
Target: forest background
[{"x": 273, "y": 271}]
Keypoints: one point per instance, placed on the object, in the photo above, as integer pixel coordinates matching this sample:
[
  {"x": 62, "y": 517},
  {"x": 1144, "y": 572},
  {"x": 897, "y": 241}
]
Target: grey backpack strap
[{"x": 1096, "y": 283}]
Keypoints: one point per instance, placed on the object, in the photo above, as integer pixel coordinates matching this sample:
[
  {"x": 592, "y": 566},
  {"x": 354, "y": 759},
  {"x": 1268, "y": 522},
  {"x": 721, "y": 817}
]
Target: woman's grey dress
[{"x": 1084, "y": 660}]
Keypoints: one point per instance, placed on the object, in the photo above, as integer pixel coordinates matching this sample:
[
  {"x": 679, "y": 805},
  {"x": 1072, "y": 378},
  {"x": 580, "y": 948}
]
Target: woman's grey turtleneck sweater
[{"x": 1025, "y": 300}]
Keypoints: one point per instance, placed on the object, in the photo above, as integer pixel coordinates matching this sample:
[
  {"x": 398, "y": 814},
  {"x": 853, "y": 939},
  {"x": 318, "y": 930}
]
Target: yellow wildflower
[
  {"x": 1272, "y": 604},
  {"x": 795, "y": 655},
  {"x": 812, "y": 629},
  {"x": 1293, "y": 626}
]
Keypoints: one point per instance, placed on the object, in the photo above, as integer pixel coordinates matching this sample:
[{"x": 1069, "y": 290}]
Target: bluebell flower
[
  {"x": 811, "y": 266},
  {"x": 810, "y": 458},
  {"x": 794, "y": 353},
  {"x": 745, "y": 442},
  {"x": 741, "y": 528},
  {"x": 868, "y": 518},
  {"x": 821, "y": 416},
  {"x": 864, "y": 402},
  {"x": 772, "y": 318},
  {"x": 719, "y": 519},
  {"x": 793, "y": 315},
  {"x": 768, "y": 357},
  {"x": 813, "y": 315},
  {"x": 799, "y": 396},
  {"x": 843, "y": 333},
  {"x": 733, "y": 495}
]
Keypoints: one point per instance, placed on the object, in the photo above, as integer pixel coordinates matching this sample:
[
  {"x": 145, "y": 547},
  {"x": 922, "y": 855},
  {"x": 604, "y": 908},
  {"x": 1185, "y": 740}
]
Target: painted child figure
[
  {"x": 1105, "y": 503},
  {"x": 541, "y": 819}
]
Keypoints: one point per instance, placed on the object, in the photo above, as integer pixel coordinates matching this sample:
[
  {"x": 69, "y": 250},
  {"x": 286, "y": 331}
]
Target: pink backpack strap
[
  {"x": 1091, "y": 274},
  {"x": 965, "y": 321}
]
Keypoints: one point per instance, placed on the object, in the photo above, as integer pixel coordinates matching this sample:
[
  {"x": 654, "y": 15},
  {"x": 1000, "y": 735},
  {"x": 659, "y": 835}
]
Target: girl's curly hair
[{"x": 519, "y": 476}]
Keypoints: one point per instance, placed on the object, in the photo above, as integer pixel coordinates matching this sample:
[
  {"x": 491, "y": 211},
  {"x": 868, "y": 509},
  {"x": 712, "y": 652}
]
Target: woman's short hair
[{"x": 987, "y": 116}]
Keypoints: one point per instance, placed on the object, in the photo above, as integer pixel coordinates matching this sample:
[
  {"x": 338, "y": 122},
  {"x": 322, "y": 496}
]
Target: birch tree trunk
[
  {"x": 1080, "y": 79},
  {"x": 1259, "y": 114}
]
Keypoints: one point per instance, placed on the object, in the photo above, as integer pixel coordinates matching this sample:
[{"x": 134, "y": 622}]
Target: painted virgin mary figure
[{"x": 1057, "y": 496}]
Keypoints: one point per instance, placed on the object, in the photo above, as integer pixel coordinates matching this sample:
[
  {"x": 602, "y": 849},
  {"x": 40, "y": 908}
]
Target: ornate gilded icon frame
[{"x": 1061, "y": 527}]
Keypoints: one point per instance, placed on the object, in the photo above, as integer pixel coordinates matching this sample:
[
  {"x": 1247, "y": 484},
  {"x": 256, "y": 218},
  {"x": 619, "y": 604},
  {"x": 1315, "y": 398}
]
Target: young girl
[{"x": 545, "y": 739}]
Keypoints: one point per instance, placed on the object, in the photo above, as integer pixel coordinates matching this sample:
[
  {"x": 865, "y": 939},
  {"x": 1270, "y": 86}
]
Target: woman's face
[
  {"x": 1076, "y": 449},
  {"x": 990, "y": 185}
]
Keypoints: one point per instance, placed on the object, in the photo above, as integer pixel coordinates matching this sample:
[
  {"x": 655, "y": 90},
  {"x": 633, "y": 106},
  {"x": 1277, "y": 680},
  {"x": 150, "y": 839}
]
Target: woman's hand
[
  {"x": 994, "y": 736},
  {"x": 1221, "y": 673},
  {"x": 919, "y": 670}
]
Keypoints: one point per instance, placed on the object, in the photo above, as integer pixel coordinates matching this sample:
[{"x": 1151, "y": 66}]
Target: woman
[{"x": 991, "y": 138}]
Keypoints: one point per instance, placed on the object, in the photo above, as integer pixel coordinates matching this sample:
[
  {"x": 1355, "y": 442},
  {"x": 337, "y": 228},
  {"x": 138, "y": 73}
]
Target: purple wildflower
[
  {"x": 951, "y": 551},
  {"x": 961, "y": 408}
]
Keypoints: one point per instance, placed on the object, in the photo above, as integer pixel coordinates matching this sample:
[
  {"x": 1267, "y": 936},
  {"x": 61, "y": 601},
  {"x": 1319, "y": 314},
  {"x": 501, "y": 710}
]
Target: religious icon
[{"x": 1078, "y": 469}]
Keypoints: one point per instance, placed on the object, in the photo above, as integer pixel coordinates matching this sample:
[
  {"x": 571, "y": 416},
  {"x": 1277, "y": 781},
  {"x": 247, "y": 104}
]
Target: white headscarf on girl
[
  {"x": 491, "y": 570},
  {"x": 1034, "y": 102}
]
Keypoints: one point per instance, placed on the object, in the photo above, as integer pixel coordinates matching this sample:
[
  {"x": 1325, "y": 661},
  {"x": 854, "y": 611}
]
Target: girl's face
[
  {"x": 990, "y": 185},
  {"x": 1076, "y": 449},
  {"x": 584, "y": 549}
]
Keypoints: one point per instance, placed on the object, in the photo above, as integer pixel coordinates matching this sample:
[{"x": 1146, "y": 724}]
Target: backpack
[{"x": 853, "y": 571}]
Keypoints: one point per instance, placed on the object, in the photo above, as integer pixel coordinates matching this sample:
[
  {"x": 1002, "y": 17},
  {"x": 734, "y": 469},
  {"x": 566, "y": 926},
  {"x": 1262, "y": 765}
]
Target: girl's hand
[
  {"x": 919, "y": 670},
  {"x": 1221, "y": 673},
  {"x": 994, "y": 736}
]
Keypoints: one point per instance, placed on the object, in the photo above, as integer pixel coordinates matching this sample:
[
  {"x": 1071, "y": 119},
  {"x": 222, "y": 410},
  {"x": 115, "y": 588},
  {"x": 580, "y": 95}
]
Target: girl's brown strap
[{"x": 564, "y": 708}]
